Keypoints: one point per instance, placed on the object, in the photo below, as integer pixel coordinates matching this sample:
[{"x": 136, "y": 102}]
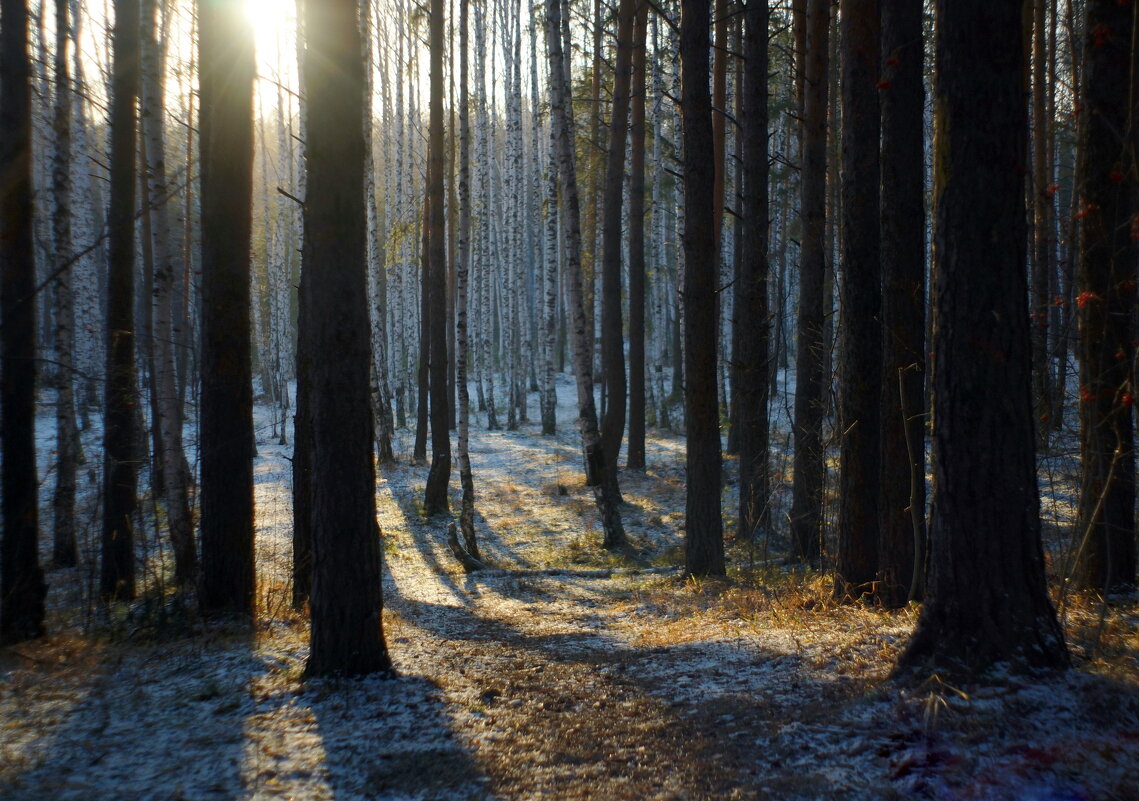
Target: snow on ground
[{"x": 523, "y": 684}]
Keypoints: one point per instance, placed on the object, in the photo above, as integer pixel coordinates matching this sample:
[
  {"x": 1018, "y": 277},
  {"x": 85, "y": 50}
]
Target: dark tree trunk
[
  {"x": 901, "y": 506},
  {"x": 987, "y": 601},
  {"x": 860, "y": 357},
  {"x": 635, "y": 449},
  {"x": 120, "y": 448},
  {"x": 704, "y": 536},
  {"x": 423, "y": 371},
  {"x": 1042, "y": 272},
  {"x": 612, "y": 339},
  {"x": 810, "y": 403},
  {"x": 347, "y": 634},
  {"x": 750, "y": 328},
  {"x": 68, "y": 446},
  {"x": 22, "y": 587},
  {"x": 227, "y": 439},
  {"x": 1106, "y": 303},
  {"x": 438, "y": 479}
]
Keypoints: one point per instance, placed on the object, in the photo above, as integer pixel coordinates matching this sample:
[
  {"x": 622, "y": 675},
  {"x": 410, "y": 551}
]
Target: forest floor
[{"x": 569, "y": 674}]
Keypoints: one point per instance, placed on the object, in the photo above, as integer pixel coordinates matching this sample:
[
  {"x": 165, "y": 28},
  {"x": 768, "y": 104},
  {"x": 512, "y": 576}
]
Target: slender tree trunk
[
  {"x": 901, "y": 508},
  {"x": 635, "y": 454},
  {"x": 172, "y": 458},
  {"x": 704, "y": 537},
  {"x": 612, "y": 338},
  {"x": 22, "y": 587},
  {"x": 69, "y": 451},
  {"x": 809, "y": 467},
  {"x": 462, "y": 274},
  {"x": 423, "y": 372},
  {"x": 347, "y": 602},
  {"x": 603, "y": 482},
  {"x": 987, "y": 601},
  {"x": 751, "y": 327},
  {"x": 1042, "y": 269},
  {"x": 120, "y": 449},
  {"x": 1107, "y": 277},
  {"x": 227, "y": 437},
  {"x": 438, "y": 479}
]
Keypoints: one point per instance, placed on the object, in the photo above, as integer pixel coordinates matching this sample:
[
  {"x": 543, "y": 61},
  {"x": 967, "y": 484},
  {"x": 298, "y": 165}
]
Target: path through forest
[{"x": 571, "y": 674}]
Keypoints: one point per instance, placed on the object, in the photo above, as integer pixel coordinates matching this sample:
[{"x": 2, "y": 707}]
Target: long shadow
[
  {"x": 380, "y": 737},
  {"x": 162, "y": 714},
  {"x": 637, "y": 714}
]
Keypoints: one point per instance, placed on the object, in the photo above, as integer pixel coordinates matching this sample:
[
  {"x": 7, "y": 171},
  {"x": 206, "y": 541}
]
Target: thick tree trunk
[
  {"x": 901, "y": 506},
  {"x": 347, "y": 633},
  {"x": 120, "y": 457},
  {"x": 810, "y": 403},
  {"x": 227, "y": 437},
  {"x": 603, "y": 482},
  {"x": 1107, "y": 276},
  {"x": 860, "y": 368},
  {"x": 22, "y": 587},
  {"x": 704, "y": 536},
  {"x": 987, "y": 601},
  {"x": 750, "y": 326}
]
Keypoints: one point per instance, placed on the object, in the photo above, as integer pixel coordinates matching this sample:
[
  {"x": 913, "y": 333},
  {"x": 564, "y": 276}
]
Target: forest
[{"x": 646, "y": 399}]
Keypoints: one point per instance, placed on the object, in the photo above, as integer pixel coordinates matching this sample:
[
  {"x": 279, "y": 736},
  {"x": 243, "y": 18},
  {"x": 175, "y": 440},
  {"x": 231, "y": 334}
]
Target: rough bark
[
  {"x": 810, "y": 404},
  {"x": 750, "y": 326},
  {"x": 704, "y": 534},
  {"x": 347, "y": 634},
  {"x": 860, "y": 357},
  {"x": 987, "y": 602}
]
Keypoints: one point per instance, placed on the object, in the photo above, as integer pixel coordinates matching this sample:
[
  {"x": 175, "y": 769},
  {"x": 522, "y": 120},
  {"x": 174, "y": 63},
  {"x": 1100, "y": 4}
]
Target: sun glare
[{"x": 274, "y": 24}]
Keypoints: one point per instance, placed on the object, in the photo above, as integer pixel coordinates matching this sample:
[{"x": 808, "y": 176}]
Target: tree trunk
[
  {"x": 860, "y": 369},
  {"x": 704, "y": 536},
  {"x": 1041, "y": 222},
  {"x": 901, "y": 507},
  {"x": 435, "y": 495},
  {"x": 809, "y": 467},
  {"x": 120, "y": 457},
  {"x": 603, "y": 482},
  {"x": 69, "y": 451},
  {"x": 347, "y": 633},
  {"x": 1107, "y": 260},
  {"x": 612, "y": 338},
  {"x": 987, "y": 601},
  {"x": 750, "y": 327},
  {"x": 227, "y": 437},
  {"x": 172, "y": 458},
  {"x": 22, "y": 587},
  {"x": 635, "y": 450}
]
